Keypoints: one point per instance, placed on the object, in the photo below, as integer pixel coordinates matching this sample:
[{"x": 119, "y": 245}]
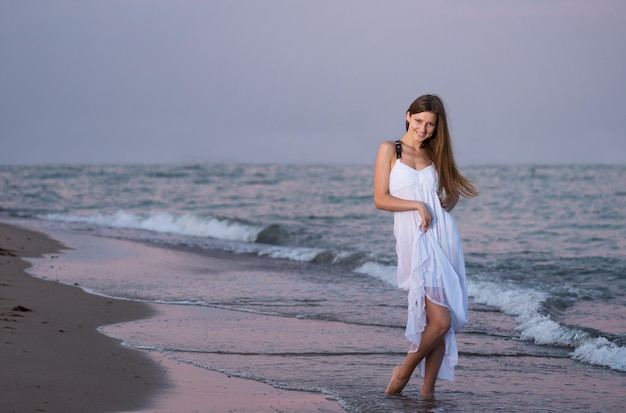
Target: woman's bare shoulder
[
  {"x": 387, "y": 146},
  {"x": 386, "y": 154}
]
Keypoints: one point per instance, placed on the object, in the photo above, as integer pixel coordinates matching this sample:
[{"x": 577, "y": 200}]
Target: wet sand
[{"x": 54, "y": 360}]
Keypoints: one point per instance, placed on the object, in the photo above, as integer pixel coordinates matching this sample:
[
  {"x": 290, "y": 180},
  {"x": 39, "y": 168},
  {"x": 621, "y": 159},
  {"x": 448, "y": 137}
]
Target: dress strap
[{"x": 398, "y": 149}]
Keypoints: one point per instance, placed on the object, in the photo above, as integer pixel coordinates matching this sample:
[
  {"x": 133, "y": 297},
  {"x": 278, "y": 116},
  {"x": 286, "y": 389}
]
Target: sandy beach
[{"x": 54, "y": 359}]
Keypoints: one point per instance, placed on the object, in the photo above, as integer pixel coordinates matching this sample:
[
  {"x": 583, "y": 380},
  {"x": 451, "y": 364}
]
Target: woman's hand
[
  {"x": 424, "y": 212},
  {"x": 449, "y": 201}
]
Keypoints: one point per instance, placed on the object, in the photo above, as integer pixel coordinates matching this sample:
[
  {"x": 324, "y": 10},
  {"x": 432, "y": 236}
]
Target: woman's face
[{"x": 421, "y": 125}]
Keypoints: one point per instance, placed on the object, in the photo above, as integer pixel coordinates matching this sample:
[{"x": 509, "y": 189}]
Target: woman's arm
[{"x": 382, "y": 198}]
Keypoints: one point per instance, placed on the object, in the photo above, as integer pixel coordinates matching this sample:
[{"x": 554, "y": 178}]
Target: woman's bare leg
[
  {"x": 437, "y": 325},
  {"x": 433, "y": 364}
]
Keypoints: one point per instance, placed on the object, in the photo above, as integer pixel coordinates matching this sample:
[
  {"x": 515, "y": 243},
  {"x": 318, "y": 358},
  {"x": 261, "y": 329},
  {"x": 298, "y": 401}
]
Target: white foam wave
[
  {"x": 184, "y": 224},
  {"x": 387, "y": 273},
  {"x": 602, "y": 352},
  {"x": 525, "y": 303},
  {"x": 291, "y": 253}
]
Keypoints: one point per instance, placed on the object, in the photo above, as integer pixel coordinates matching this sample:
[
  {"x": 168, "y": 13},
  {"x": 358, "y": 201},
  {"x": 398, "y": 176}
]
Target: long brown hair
[{"x": 439, "y": 147}]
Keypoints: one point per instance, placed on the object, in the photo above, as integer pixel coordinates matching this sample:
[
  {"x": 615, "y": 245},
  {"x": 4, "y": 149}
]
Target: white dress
[{"x": 430, "y": 264}]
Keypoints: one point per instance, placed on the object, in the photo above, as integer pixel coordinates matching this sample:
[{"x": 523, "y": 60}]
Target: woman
[{"x": 416, "y": 178}]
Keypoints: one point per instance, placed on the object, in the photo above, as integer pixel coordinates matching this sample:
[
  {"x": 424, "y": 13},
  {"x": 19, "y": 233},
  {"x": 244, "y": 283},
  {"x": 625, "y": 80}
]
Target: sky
[{"x": 302, "y": 81}]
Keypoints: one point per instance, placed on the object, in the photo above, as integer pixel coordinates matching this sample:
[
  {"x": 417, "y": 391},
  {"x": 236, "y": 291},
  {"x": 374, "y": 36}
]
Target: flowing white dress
[{"x": 430, "y": 264}]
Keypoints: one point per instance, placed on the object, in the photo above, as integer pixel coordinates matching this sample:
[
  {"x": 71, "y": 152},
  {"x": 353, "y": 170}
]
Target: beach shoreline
[{"x": 55, "y": 360}]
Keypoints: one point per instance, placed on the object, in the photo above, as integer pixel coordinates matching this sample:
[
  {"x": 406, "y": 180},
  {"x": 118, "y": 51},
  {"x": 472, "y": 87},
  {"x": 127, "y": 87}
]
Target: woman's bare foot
[{"x": 396, "y": 384}]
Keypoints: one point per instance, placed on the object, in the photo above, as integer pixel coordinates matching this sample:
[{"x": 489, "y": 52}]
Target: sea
[{"x": 285, "y": 274}]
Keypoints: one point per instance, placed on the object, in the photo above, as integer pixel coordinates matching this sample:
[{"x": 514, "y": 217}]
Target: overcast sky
[{"x": 316, "y": 81}]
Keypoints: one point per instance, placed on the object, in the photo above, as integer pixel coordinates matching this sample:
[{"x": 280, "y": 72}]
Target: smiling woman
[{"x": 411, "y": 178}]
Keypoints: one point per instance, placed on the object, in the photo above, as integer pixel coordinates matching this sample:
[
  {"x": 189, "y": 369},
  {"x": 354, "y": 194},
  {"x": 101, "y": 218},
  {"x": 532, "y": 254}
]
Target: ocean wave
[
  {"x": 602, "y": 352},
  {"x": 314, "y": 255},
  {"x": 386, "y": 273},
  {"x": 291, "y": 253},
  {"x": 526, "y": 305},
  {"x": 184, "y": 224},
  {"x": 270, "y": 241}
]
